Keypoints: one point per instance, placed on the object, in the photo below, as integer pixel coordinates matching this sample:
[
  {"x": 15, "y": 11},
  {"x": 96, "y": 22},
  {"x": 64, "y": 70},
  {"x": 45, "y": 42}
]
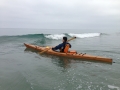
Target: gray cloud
[{"x": 66, "y": 14}]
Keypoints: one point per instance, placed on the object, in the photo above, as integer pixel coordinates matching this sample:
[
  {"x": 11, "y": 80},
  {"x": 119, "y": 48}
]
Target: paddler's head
[{"x": 64, "y": 39}]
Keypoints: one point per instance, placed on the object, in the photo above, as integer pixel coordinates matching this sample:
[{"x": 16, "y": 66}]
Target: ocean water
[{"x": 25, "y": 69}]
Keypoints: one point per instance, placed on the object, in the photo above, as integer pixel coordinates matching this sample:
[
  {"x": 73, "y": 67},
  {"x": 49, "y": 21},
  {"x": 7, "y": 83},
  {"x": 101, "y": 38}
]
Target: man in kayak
[{"x": 61, "y": 46}]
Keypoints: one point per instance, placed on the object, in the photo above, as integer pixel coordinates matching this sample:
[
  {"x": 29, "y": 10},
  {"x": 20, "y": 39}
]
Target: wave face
[{"x": 85, "y": 35}]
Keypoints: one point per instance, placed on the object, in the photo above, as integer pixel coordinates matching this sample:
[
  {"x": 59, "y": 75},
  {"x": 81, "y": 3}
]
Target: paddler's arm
[{"x": 58, "y": 47}]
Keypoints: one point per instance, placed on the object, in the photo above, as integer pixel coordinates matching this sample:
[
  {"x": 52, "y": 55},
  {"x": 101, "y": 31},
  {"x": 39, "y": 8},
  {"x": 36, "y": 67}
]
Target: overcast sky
[{"x": 60, "y": 14}]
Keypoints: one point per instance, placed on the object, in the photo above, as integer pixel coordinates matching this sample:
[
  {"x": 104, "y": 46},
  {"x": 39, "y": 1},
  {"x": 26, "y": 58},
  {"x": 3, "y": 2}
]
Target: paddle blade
[{"x": 48, "y": 48}]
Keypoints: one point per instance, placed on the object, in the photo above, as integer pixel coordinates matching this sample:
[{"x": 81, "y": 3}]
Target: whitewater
[{"x": 60, "y": 36}]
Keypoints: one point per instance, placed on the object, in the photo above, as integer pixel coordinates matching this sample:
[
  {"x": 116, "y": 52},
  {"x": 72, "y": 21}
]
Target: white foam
[
  {"x": 55, "y": 36},
  {"x": 113, "y": 87},
  {"x": 84, "y": 35},
  {"x": 79, "y": 87}
]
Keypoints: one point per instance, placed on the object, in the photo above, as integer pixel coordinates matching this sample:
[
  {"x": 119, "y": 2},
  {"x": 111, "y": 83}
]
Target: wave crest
[
  {"x": 84, "y": 35},
  {"x": 55, "y": 36}
]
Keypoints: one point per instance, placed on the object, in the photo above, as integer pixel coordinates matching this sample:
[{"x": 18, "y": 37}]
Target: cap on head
[{"x": 65, "y": 39}]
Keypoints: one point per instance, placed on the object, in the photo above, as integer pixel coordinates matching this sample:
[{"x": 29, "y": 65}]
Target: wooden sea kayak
[{"x": 70, "y": 55}]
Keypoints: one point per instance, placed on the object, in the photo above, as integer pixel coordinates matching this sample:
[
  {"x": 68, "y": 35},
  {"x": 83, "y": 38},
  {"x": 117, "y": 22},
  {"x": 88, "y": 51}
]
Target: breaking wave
[
  {"x": 85, "y": 35},
  {"x": 55, "y": 36}
]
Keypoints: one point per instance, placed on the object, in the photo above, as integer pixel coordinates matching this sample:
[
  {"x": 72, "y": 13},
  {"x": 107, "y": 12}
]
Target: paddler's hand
[{"x": 47, "y": 47}]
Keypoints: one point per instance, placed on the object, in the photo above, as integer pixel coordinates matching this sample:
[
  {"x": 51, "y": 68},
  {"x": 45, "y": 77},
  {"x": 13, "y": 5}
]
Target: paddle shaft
[{"x": 71, "y": 39}]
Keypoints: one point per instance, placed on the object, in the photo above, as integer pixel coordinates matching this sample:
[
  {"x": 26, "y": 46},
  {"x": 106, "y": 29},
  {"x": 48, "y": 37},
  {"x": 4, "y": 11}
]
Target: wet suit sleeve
[{"x": 58, "y": 47}]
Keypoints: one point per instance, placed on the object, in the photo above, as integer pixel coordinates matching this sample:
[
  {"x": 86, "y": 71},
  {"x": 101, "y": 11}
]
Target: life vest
[
  {"x": 67, "y": 46},
  {"x": 66, "y": 49}
]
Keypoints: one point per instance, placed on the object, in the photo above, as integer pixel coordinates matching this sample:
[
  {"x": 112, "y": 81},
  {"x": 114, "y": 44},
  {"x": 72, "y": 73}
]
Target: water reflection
[{"x": 59, "y": 61}]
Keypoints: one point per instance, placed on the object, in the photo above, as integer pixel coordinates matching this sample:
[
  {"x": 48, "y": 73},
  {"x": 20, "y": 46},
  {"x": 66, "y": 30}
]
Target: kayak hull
[{"x": 69, "y": 55}]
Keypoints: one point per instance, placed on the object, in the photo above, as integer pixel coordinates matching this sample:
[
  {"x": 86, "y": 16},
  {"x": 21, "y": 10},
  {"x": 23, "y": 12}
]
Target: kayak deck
[{"x": 70, "y": 55}]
